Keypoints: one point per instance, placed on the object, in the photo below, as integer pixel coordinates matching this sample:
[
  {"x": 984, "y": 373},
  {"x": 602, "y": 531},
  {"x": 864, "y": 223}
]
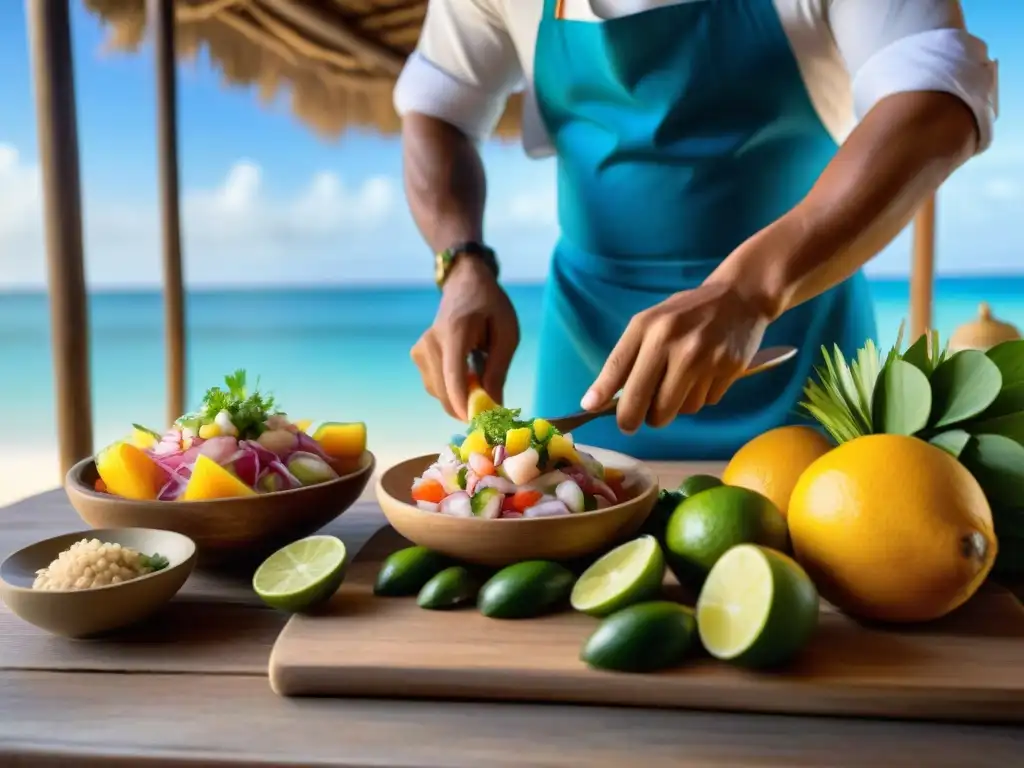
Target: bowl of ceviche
[
  {"x": 237, "y": 476},
  {"x": 513, "y": 490}
]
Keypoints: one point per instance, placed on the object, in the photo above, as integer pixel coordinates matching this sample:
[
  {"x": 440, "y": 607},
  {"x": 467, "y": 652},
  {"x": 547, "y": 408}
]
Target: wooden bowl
[
  {"x": 248, "y": 527},
  {"x": 505, "y": 541},
  {"x": 87, "y": 612}
]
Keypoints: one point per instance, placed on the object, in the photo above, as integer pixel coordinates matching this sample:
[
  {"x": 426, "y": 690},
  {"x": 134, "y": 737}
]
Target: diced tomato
[
  {"x": 428, "y": 490},
  {"x": 100, "y": 485},
  {"x": 521, "y": 501}
]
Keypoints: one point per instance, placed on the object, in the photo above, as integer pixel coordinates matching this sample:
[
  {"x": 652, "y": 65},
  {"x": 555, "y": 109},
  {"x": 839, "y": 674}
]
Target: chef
[{"x": 725, "y": 169}]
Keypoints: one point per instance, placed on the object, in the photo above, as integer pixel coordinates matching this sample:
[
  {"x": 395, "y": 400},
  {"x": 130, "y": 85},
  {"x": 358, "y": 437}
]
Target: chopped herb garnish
[
  {"x": 496, "y": 422},
  {"x": 156, "y": 561},
  {"x": 248, "y": 411}
]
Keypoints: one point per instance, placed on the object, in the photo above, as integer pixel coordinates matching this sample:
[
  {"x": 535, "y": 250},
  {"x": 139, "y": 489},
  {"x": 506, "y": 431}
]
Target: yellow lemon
[
  {"x": 892, "y": 528},
  {"x": 772, "y": 463}
]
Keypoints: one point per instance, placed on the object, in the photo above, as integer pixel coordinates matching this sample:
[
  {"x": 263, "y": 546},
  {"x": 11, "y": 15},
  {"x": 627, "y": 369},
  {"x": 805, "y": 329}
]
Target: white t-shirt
[{"x": 851, "y": 53}]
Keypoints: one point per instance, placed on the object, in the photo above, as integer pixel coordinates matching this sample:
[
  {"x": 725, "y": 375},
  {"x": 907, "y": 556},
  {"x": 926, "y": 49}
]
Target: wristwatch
[{"x": 445, "y": 260}]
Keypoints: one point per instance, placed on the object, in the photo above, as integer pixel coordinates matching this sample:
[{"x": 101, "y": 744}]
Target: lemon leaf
[
  {"x": 952, "y": 442},
  {"x": 902, "y": 399},
  {"x": 963, "y": 386},
  {"x": 1009, "y": 358},
  {"x": 997, "y": 463}
]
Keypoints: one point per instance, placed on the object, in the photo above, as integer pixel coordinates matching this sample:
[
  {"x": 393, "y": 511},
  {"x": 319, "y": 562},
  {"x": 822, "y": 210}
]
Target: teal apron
[{"x": 680, "y": 132}]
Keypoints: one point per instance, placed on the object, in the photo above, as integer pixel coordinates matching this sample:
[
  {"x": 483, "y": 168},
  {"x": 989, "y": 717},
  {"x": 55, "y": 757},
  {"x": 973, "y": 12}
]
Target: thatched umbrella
[{"x": 338, "y": 60}]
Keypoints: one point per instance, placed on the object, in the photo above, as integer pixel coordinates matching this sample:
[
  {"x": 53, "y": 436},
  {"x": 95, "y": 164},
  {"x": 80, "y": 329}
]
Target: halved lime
[
  {"x": 631, "y": 573},
  {"x": 302, "y": 574},
  {"x": 757, "y": 608}
]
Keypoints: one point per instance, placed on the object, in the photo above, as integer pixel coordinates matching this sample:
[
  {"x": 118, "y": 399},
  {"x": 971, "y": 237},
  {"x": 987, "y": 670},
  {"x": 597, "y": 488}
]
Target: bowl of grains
[{"x": 93, "y": 582}]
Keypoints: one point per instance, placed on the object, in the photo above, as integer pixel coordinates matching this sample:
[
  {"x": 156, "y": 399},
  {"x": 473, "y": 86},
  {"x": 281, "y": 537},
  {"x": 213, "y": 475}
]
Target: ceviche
[
  {"x": 506, "y": 467},
  {"x": 237, "y": 444}
]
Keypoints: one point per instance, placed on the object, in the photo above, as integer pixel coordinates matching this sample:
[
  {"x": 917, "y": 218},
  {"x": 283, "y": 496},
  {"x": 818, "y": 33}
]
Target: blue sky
[{"x": 266, "y": 201}]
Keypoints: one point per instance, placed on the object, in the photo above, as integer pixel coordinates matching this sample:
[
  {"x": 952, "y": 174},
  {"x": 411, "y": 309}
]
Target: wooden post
[
  {"x": 922, "y": 271},
  {"x": 162, "y": 14},
  {"x": 49, "y": 27}
]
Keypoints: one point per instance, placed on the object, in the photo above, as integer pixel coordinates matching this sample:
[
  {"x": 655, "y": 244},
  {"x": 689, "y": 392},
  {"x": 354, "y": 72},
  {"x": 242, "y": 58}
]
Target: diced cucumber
[
  {"x": 461, "y": 477},
  {"x": 486, "y": 503}
]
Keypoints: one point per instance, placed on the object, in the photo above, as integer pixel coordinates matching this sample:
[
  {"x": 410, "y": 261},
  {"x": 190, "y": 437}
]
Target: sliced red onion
[
  {"x": 447, "y": 456},
  {"x": 246, "y": 464},
  {"x": 472, "y": 481},
  {"x": 449, "y": 478},
  {"x": 263, "y": 454},
  {"x": 287, "y": 479},
  {"x": 427, "y": 506},
  {"x": 456, "y": 505},
  {"x": 166, "y": 448},
  {"x": 494, "y": 481},
  {"x": 219, "y": 449},
  {"x": 601, "y": 489},
  {"x": 510, "y": 514},
  {"x": 172, "y": 489},
  {"x": 308, "y": 444},
  {"x": 547, "y": 509},
  {"x": 602, "y": 502},
  {"x": 500, "y": 454}
]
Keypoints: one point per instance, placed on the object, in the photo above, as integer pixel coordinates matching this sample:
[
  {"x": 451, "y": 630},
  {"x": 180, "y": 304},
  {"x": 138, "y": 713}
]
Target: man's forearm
[
  {"x": 895, "y": 158},
  {"x": 444, "y": 181}
]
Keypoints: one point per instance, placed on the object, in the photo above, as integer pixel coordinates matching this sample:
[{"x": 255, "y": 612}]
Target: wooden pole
[
  {"x": 49, "y": 28},
  {"x": 922, "y": 270},
  {"x": 162, "y": 14}
]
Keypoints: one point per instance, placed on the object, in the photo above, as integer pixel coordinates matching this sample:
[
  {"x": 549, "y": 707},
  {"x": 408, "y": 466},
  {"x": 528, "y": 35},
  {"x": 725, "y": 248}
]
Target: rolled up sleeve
[
  {"x": 896, "y": 46},
  {"x": 464, "y": 67}
]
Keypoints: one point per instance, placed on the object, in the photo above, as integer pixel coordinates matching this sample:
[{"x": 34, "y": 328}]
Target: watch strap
[{"x": 445, "y": 260}]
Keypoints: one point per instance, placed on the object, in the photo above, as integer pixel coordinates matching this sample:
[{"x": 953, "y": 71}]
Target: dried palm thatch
[{"x": 338, "y": 59}]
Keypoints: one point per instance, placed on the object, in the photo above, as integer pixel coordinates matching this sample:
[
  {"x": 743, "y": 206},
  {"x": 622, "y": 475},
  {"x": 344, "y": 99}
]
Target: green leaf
[
  {"x": 963, "y": 386},
  {"x": 1008, "y": 522},
  {"x": 1009, "y": 401},
  {"x": 1009, "y": 358},
  {"x": 997, "y": 463},
  {"x": 953, "y": 442},
  {"x": 902, "y": 399},
  {"x": 1010, "y": 426},
  {"x": 917, "y": 355}
]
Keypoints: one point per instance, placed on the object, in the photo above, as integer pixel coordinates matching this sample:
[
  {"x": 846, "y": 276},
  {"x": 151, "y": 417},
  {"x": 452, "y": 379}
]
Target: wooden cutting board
[{"x": 968, "y": 666}]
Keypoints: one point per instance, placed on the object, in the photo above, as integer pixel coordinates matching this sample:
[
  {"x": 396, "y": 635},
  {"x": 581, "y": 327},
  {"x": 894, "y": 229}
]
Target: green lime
[
  {"x": 302, "y": 574},
  {"x": 630, "y": 573},
  {"x": 694, "y": 484},
  {"x": 405, "y": 572},
  {"x": 758, "y": 607},
  {"x": 449, "y": 588},
  {"x": 706, "y": 525},
  {"x": 525, "y": 590},
  {"x": 644, "y": 637}
]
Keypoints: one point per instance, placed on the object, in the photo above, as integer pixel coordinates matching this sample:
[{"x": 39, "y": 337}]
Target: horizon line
[{"x": 413, "y": 285}]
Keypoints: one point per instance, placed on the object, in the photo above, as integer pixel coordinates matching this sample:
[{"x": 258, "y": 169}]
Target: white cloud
[
  {"x": 335, "y": 230},
  {"x": 233, "y": 232}
]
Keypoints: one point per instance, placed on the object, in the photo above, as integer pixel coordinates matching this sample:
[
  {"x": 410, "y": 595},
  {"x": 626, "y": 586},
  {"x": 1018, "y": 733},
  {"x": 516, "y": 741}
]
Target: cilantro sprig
[
  {"x": 248, "y": 410},
  {"x": 496, "y": 422}
]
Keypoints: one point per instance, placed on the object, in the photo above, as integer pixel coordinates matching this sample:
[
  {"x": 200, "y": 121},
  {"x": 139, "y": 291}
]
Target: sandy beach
[{"x": 27, "y": 473}]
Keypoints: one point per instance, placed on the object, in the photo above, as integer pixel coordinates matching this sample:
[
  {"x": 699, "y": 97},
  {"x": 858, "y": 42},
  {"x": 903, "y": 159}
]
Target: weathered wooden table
[{"x": 189, "y": 688}]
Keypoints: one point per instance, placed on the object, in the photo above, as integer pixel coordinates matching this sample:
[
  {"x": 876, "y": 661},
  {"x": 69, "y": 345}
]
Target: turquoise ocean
[{"x": 338, "y": 354}]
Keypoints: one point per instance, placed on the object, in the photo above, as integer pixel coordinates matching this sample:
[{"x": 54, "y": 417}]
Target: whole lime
[{"x": 708, "y": 524}]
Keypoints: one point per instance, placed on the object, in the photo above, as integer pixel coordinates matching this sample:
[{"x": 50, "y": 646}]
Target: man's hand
[
  {"x": 679, "y": 355},
  {"x": 475, "y": 314}
]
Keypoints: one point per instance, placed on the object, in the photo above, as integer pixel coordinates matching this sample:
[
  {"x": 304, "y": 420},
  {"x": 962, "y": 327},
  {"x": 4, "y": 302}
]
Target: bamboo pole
[
  {"x": 162, "y": 14},
  {"x": 922, "y": 270},
  {"x": 49, "y": 29}
]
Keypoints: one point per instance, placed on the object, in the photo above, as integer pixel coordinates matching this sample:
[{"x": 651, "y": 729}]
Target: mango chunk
[
  {"x": 341, "y": 440},
  {"x": 479, "y": 401},
  {"x": 517, "y": 440},
  {"x": 211, "y": 481},
  {"x": 475, "y": 442},
  {"x": 561, "y": 448},
  {"x": 143, "y": 438},
  {"x": 127, "y": 471},
  {"x": 542, "y": 429}
]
